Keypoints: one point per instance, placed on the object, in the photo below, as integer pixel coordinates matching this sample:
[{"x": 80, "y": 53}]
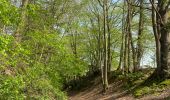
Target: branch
[
  {"x": 156, "y": 11},
  {"x": 140, "y": 6},
  {"x": 100, "y": 3}
]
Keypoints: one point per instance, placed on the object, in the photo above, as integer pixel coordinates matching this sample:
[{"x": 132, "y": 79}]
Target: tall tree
[
  {"x": 140, "y": 31},
  {"x": 163, "y": 9},
  {"x": 121, "y": 58},
  {"x": 156, "y": 33},
  {"x": 105, "y": 85},
  {"x": 109, "y": 59},
  {"x": 162, "y": 36}
]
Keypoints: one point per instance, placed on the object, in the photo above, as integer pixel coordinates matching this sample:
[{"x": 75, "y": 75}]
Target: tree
[
  {"x": 164, "y": 69},
  {"x": 105, "y": 85},
  {"x": 140, "y": 31},
  {"x": 161, "y": 32}
]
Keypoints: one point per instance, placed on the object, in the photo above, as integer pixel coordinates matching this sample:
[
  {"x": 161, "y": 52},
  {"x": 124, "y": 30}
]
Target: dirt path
[
  {"x": 95, "y": 93},
  {"x": 115, "y": 92}
]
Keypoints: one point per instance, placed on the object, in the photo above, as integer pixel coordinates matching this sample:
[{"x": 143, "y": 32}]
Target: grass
[{"x": 134, "y": 83}]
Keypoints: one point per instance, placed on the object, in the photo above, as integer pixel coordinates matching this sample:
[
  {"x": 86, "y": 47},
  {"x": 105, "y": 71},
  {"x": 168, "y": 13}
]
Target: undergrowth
[
  {"x": 134, "y": 83},
  {"x": 154, "y": 87}
]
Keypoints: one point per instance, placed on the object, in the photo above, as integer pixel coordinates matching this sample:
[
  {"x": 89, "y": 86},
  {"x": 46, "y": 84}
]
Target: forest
[{"x": 84, "y": 49}]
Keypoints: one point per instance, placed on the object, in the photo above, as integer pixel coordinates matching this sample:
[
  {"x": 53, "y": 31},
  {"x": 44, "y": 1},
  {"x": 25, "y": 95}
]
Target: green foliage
[
  {"x": 166, "y": 82},
  {"x": 59, "y": 44},
  {"x": 133, "y": 79},
  {"x": 140, "y": 92},
  {"x": 24, "y": 77},
  {"x": 135, "y": 76},
  {"x": 37, "y": 67},
  {"x": 12, "y": 87},
  {"x": 152, "y": 88},
  {"x": 8, "y": 12}
]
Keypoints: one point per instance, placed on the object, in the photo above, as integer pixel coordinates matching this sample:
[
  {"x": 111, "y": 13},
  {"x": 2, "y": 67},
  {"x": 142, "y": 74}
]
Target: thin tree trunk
[
  {"x": 140, "y": 31},
  {"x": 129, "y": 19},
  {"x": 109, "y": 60},
  {"x": 21, "y": 25},
  {"x": 121, "y": 52},
  {"x": 100, "y": 50},
  {"x": 105, "y": 45},
  {"x": 129, "y": 58},
  {"x": 121, "y": 58},
  {"x": 73, "y": 42},
  {"x": 125, "y": 52},
  {"x": 156, "y": 35}
]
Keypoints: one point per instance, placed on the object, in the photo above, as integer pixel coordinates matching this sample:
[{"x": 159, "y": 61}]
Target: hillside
[
  {"x": 119, "y": 90},
  {"x": 84, "y": 49}
]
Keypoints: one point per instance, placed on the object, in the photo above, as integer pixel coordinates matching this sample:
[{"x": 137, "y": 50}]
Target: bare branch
[
  {"x": 100, "y": 3},
  {"x": 153, "y": 5},
  {"x": 139, "y": 7}
]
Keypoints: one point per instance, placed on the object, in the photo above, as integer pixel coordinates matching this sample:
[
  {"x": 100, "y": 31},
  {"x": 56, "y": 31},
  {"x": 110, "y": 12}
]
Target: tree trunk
[
  {"x": 105, "y": 85},
  {"x": 156, "y": 35},
  {"x": 100, "y": 50},
  {"x": 161, "y": 31},
  {"x": 21, "y": 24},
  {"x": 109, "y": 60},
  {"x": 73, "y": 41},
  {"x": 121, "y": 58},
  {"x": 140, "y": 31},
  {"x": 122, "y": 48},
  {"x": 164, "y": 39},
  {"x": 129, "y": 33}
]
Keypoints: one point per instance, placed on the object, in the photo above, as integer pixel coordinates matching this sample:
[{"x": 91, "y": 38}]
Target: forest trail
[{"x": 115, "y": 92}]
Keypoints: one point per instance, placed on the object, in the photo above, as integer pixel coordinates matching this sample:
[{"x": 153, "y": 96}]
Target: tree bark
[
  {"x": 122, "y": 49},
  {"x": 164, "y": 39},
  {"x": 161, "y": 31},
  {"x": 156, "y": 35},
  {"x": 109, "y": 60},
  {"x": 129, "y": 33},
  {"x": 105, "y": 85},
  {"x": 140, "y": 31}
]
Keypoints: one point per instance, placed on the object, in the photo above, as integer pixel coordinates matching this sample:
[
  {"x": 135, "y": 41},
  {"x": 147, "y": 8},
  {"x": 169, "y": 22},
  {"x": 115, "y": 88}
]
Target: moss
[
  {"x": 152, "y": 88},
  {"x": 142, "y": 91},
  {"x": 166, "y": 82}
]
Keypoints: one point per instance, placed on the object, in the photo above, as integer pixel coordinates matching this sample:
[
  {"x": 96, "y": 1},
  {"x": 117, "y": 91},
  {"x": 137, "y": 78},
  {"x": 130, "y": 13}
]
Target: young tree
[{"x": 105, "y": 2}]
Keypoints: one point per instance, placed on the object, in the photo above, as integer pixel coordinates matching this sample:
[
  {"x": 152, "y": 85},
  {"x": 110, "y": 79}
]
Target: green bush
[{"x": 11, "y": 88}]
